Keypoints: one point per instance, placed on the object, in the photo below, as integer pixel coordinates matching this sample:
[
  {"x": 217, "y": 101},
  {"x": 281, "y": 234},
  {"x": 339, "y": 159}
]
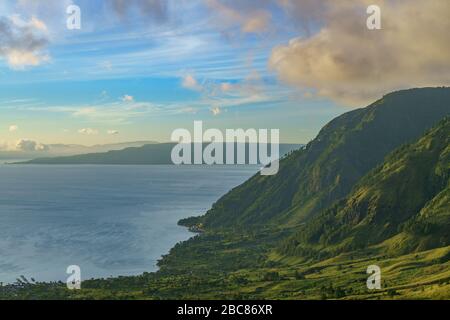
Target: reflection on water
[{"x": 109, "y": 220}]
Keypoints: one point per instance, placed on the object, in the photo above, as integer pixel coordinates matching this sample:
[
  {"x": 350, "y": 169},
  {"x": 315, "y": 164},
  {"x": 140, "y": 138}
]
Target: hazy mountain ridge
[
  {"x": 151, "y": 154},
  {"x": 55, "y": 150}
]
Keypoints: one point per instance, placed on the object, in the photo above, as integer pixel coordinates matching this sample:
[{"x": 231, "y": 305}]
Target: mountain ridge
[
  {"x": 150, "y": 154},
  {"x": 347, "y": 148},
  {"x": 399, "y": 198}
]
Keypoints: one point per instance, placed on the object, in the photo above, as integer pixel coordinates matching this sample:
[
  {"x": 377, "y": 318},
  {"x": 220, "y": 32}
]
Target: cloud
[
  {"x": 38, "y": 24},
  {"x": 88, "y": 131},
  {"x": 157, "y": 10},
  {"x": 258, "y": 22},
  {"x": 307, "y": 14},
  {"x": 226, "y": 86},
  {"x": 189, "y": 82},
  {"x": 348, "y": 63},
  {"x": 246, "y": 15},
  {"x": 30, "y": 145},
  {"x": 187, "y": 110},
  {"x": 22, "y": 43},
  {"x": 216, "y": 111},
  {"x": 250, "y": 90},
  {"x": 111, "y": 113},
  {"x": 13, "y": 128},
  {"x": 251, "y": 87},
  {"x": 112, "y": 132},
  {"x": 127, "y": 98}
]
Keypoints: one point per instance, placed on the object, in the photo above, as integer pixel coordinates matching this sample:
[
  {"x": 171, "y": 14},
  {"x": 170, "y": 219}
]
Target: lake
[{"x": 109, "y": 220}]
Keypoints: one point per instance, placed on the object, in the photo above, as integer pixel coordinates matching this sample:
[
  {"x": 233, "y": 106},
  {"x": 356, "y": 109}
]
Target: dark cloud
[{"x": 22, "y": 42}]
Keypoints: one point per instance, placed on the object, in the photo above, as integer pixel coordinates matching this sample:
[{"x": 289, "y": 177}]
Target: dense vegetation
[
  {"x": 372, "y": 188},
  {"x": 346, "y": 149},
  {"x": 406, "y": 198}
]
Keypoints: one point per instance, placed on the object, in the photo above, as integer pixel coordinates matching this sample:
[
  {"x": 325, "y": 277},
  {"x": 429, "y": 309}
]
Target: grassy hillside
[
  {"x": 226, "y": 266},
  {"x": 346, "y": 149},
  {"x": 407, "y": 197}
]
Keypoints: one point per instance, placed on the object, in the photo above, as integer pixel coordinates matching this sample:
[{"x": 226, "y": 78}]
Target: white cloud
[
  {"x": 251, "y": 90},
  {"x": 88, "y": 131},
  {"x": 189, "y": 82},
  {"x": 88, "y": 111},
  {"x": 13, "y": 128},
  {"x": 127, "y": 98},
  {"x": 187, "y": 110},
  {"x": 216, "y": 111},
  {"x": 38, "y": 24},
  {"x": 226, "y": 86},
  {"x": 112, "y": 113},
  {"x": 112, "y": 132},
  {"x": 18, "y": 59},
  {"x": 30, "y": 145}
]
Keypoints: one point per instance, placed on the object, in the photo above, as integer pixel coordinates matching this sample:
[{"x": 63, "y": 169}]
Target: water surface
[{"x": 109, "y": 220}]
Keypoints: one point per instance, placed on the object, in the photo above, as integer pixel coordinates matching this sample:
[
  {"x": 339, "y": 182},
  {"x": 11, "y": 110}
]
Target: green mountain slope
[
  {"x": 407, "y": 197},
  {"x": 347, "y": 148}
]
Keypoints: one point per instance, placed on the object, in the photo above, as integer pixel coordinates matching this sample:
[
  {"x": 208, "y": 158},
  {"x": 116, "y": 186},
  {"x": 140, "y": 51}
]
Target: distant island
[
  {"x": 149, "y": 154},
  {"x": 28, "y": 149}
]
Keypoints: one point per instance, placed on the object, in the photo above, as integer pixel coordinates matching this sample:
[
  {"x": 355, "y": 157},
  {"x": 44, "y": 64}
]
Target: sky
[{"x": 139, "y": 69}]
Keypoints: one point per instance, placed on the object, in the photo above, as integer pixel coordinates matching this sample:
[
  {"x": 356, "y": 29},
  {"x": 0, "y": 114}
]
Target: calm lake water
[{"x": 109, "y": 220}]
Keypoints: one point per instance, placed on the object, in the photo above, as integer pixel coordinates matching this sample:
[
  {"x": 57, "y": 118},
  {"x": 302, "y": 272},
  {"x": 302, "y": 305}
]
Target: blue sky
[
  {"x": 141, "y": 68},
  {"x": 90, "y": 71}
]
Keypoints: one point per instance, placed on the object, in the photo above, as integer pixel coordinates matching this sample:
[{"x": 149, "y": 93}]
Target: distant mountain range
[
  {"x": 55, "y": 150},
  {"x": 150, "y": 154}
]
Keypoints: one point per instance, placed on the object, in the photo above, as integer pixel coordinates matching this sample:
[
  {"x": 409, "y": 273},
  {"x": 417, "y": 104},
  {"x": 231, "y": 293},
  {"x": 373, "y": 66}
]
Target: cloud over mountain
[
  {"x": 30, "y": 145},
  {"x": 352, "y": 65}
]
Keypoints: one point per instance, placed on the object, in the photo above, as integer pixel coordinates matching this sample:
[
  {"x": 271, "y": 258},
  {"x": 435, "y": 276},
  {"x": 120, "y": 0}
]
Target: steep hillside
[
  {"x": 404, "y": 203},
  {"x": 346, "y": 149}
]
